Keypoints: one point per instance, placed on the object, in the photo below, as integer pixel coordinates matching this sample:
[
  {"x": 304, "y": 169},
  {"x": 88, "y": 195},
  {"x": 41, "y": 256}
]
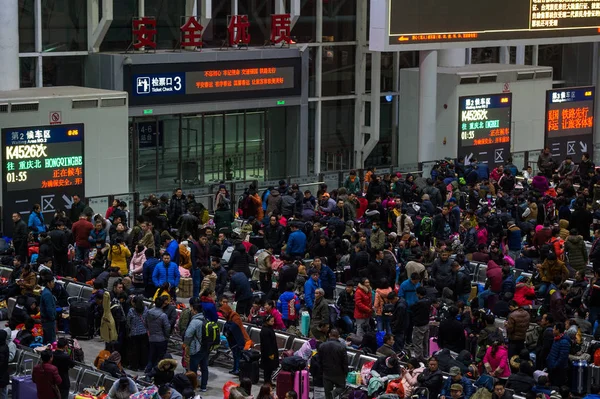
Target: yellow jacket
[{"x": 117, "y": 256}]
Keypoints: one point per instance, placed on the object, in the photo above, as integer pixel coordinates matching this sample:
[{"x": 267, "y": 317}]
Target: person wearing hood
[
  {"x": 112, "y": 365},
  {"x": 198, "y": 350},
  {"x": 159, "y": 329},
  {"x": 558, "y": 358},
  {"x": 576, "y": 251},
  {"x": 122, "y": 389},
  {"x": 441, "y": 271},
  {"x": 236, "y": 334},
  {"x": 524, "y": 292},
  {"x": 164, "y": 372},
  {"x": 240, "y": 260},
  {"x": 564, "y": 228}
]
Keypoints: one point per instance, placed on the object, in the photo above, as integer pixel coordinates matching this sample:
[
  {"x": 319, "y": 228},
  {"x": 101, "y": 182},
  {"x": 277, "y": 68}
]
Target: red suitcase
[{"x": 285, "y": 383}]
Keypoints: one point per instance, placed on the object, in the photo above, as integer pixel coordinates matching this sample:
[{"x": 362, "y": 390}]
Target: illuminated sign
[
  {"x": 406, "y": 22},
  {"x": 41, "y": 165},
  {"x": 224, "y": 81},
  {"x": 570, "y": 122},
  {"x": 484, "y": 127}
]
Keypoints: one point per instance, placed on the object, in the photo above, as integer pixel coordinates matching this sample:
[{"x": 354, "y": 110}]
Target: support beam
[
  {"x": 97, "y": 29},
  {"x": 452, "y": 58},
  {"x": 318, "y": 88},
  {"x": 535, "y": 55},
  {"x": 520, "y": 59},
  {"x": 205, "y": 12},
  {"x": 505, "y": 55},
  {"x": 9, "y": 45},
  {"x": 39, "y": 67},
  {"x": 428, "y": 62}
]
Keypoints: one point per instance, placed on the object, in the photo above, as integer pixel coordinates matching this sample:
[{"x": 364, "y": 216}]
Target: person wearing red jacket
[
  {"x": 363, "y": 308},
  {"x": 524, "y": 293},
  {"x": 46, "y": 377},
  {"x": 81, "y": 232},
  {"x": 493, "y": 284}
]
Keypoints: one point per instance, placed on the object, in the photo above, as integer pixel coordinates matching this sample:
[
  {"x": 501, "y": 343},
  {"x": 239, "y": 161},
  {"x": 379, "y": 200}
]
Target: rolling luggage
[
  {"x": 433, "y": 346},
  {"x": 249, "y": 366},
  {"x": 22, "y": 386},
  {"x": 305, "y": 324},
  {"x": 301, "y": 384},
  {"x": 593, "y": 377},
  {"x": 579, "y": 378},
  {"x": 285, "y": 383},
  {"x": 80, "y": 314}
]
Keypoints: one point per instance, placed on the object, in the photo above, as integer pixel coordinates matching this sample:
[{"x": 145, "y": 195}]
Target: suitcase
[
  {"x": 305, "y": 323},
  {"x": 433, "y": 346},
  {"x": 593, "y": 377},
  {"x": 249, "y": 370},
  {"x": 579, "y": 378},
  {"x": 23, "y": 386},
  {"x": 285, "y": 383},
  {"x": 301, "y": 384},
  {"x": 79, "y": 323}
]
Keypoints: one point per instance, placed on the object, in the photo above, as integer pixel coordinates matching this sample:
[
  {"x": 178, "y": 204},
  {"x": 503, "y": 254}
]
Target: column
[
  {"x": 428, "y": 61},
  {"x": 9, "y": 45},
  {"x": 453, "y": 58},
  {"x": 520, "y": 60},
  {"x": 505, "y": 55}
]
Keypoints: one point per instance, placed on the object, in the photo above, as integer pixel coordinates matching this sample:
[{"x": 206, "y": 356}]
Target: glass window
[
  {"x": 63, "y": 71},
  {"x": 26, "y": 26},
  {"x": 305, "y": 30},
  {"x": 337, "y": 134},
  {"x": 119, "y": 36},
  {"x": 339, "y": 20},
  {"x": 27, "y": 72},
  {"x": 382, "y": 153},
  {"x": 338, "y": 70},
  {"x": 312, "y": 71},
  {"x": 168, "y": 16},
  {"x": 64, "y": 25}
]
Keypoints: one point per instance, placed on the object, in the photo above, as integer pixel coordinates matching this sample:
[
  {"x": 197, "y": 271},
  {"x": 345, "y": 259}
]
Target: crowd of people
[{"x": 384, "y": 264}]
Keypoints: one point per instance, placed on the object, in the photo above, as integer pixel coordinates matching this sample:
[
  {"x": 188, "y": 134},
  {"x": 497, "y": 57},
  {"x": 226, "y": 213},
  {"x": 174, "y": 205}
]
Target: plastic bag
[{"x": 227, "y": 388}]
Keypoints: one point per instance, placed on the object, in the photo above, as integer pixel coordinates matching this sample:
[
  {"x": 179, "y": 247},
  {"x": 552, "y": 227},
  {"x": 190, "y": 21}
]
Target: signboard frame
[
  {"x": 573, "y": 145},
  {"x": 493, "y": 153},
  {"x": 22, "y": 201},
  {"x": 380, "y": 38},
  {"x": 182, "y": 71}
]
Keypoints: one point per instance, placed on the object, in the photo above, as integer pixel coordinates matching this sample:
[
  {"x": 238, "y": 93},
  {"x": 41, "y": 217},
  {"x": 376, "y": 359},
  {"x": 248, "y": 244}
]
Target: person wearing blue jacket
[
  {"x": 239, "y": 284},
  {"x": 326, "y": 277},
  {"x": 171, "y": 246},
  {"x": 408, "y": 289},
  {"x": 36, "y": 220},
  {"x": 166, "y": 272},
  {"x": 296, "y": 244},
  {"x": 285, "y": 307},
  {"x": 310, "y": 287},
  {"x": 48, "y": 310},
  {"x": 209, "y": 308},
  {"x": 558, "y": 358}
]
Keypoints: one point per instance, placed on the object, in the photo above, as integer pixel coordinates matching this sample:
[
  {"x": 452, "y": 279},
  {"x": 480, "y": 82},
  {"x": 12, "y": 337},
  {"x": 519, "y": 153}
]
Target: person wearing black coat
[
  {"x": 432, "y": 379},
  {"x": 221, "y": 277},
  {"x": 181, "y": 383},
  {"x": 521, "y": 382},
  {"x": 274, "y": 235},
  {"x": 63, "y": 363},
  {"x": 334, "y": 359},
  {"x": 4, "y": 354},
  {"x": 359, "y": 261},
  {"x": 240, "y": 285},
  {"x": 462, "y": 283},
  {"x": 20, "y": 235},
  {"x": 452, "y": 332},
  {"x": 269, "y": 351},
  {"x": 399, "y": 322},
  {"x": 240, "y": 260}
]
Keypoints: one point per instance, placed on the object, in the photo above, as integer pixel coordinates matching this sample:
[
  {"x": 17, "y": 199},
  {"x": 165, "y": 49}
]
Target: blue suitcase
[
  {"x": 305, "y": 324},
  {"x": 23, "y": 387},
  {"x": 579, "y": 380}
]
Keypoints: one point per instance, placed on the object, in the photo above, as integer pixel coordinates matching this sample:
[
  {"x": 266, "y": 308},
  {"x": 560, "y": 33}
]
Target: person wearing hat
[
  {"x": 456, "y": 391},
  {"x": 456, "y": 378},
  {"x": 123, "y": 388}
]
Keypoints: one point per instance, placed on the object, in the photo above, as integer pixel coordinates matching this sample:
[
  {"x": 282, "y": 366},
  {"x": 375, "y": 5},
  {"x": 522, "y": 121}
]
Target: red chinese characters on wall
[
  {"x": 280, "y": 28},
  {"x": 144, "y": 32},
  {"x": 191, "y": 33},
  {"x": 238, "y": 30}
]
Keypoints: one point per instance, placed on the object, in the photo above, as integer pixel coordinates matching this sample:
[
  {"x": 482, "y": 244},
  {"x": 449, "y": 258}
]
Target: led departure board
[
  {"x": 570, "y": 122},
  {"x": 484, "y": 127},
  {"x": 41, "y": 165},
  {"x": 410, "y": 22},
  {"x": 213, "y": 81}
]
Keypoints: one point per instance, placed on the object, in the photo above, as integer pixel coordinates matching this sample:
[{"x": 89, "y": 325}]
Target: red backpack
[{"x": 292, "y": 315}]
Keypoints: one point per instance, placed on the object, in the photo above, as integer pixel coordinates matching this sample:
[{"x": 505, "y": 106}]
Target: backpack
[
  {"x": 288, "y": 203},
  {"x": 102, "y": 356},
  {"x": 426, "y": 226},
  {"x": 396, "y": 387},
  {"x": 184, "y": 321},
  {"x": 531, "y": 337},
  {"x": 211, "y": 335}
]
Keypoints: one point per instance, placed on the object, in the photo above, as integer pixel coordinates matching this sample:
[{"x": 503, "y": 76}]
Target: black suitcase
[
  {"x": 249, "y": 370},
  {"x": 80, "y": 314}
]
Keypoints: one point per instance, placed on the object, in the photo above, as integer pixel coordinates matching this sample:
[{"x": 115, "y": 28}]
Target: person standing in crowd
[
  {"x": 558, "y": 358},
  {"x": 19, "y": 235},
  {"x": 320, "y": 315},
  {"x": 268, "y": 349},
  {"x": 45, "y": 376},
  {"x": 166, "y": 271},
  {"x": 63, "y": 363},
  {"x": 517, "y": 325},
  {"x": 159, "y": 330},
  {"x": 48, "y": 309},
  {"x": 138, "y": 334},
  {"x": 420, "y": 319},
  {"x": 363, "y": 308},
  {"x": 81, "y": 232},
  {"x": 333, "y": 358},
  {"x": 198, "y": 350}
]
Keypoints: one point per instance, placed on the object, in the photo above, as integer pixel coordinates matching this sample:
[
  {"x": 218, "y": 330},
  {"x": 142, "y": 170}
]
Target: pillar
[
  {"x": 9, "y": 45},
  {"x": 505, "y": 55},
  {"x": 520, "y": 59},
  {"x": 453, "y": 58},
  {"x": 428, "y": 61}
]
